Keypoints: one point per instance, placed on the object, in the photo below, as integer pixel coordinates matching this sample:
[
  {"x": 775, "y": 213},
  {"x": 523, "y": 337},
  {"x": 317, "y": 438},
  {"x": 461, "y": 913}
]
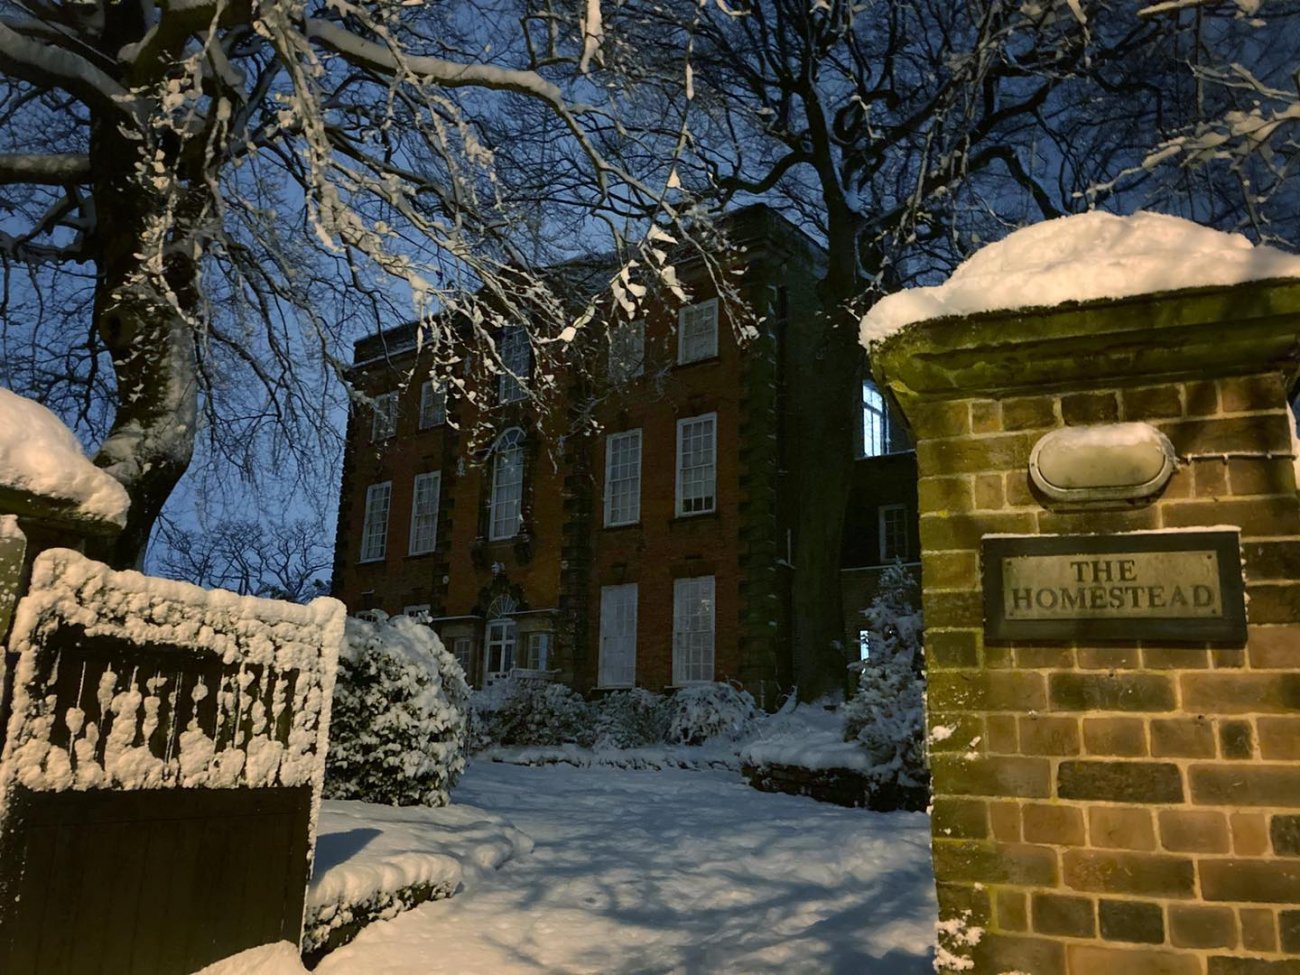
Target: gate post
[{"x": 1116, "y": 776}]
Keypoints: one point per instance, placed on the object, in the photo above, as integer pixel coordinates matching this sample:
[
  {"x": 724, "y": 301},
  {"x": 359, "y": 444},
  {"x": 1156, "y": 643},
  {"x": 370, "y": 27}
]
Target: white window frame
[
  {"x": 623, "y": 478},
  {"x": 886, "y": 529},
  {"x": 627, "y": 351},
  {"x": 506, "y": 503},
  {"x": 501, "y": 636},
  {"x": 374, "y": 530},
  {"x": 515, "y": 356},
  {"x": 697, "y": 332},
  {"x": 618, "y": 625},
  {"x": 462, "y": 648},
  {"x": 416, "y": 611},
  {"x": 383, "y": 422},
  {"x": 433, "y": 404},
  {"x": 694, "y": 629},
  {"x": 705, "y": 483},
  {"x": 537, "y": 650},
  {"x": 875, "y": 421},
  {"x": 426, "y": 488}
]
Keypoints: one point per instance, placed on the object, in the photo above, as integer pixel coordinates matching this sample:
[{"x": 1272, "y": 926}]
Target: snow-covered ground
[{"x": 670, "y": 871}]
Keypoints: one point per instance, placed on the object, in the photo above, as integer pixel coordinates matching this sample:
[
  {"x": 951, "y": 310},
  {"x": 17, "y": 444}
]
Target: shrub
[
  {"x": 887, "y": 714},
  {"x": 630, "y": 719},
  {"x": 527, "y": 712},
  {"x": 707, "y": 711},
  {"x": 398, "y": 731}
]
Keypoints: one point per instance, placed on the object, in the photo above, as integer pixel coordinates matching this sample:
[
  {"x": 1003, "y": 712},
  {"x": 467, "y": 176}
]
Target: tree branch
[
  {"x": 53, "y": 67},
  {"x": 50, "y": 170}
]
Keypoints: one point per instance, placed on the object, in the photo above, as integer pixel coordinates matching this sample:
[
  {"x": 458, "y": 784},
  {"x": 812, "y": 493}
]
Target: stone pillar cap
[{"x": 1193, "y": 333}]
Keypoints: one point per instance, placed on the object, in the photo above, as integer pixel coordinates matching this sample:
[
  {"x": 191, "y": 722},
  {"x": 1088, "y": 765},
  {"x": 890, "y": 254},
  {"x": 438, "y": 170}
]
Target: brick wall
[{"x": 1120, "y": 806}]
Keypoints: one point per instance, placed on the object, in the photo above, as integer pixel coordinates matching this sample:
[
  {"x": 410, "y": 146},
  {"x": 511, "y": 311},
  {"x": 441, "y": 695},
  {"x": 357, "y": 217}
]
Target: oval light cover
[{"x": 1104, "y": 462}]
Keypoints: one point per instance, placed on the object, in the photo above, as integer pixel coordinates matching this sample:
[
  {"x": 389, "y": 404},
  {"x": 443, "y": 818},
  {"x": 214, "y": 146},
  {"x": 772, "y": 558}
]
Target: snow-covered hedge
[
  {"x": 887, "y": 714},
  {"x": 630, "y": 719},
  {"x": 529, "y": 712},
  {"x": 707, "y": 711},
  {"x": 399, "y": 729}
]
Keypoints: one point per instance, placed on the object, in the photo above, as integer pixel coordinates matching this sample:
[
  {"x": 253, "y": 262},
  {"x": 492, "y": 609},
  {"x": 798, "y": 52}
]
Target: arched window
[
  {"x": 875, "y": 421},
  {"x": 505, "y": 513}
]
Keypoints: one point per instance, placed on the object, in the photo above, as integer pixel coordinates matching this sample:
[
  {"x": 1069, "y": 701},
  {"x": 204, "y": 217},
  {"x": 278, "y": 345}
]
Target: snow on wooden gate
[{"x": 161, "y": 770}]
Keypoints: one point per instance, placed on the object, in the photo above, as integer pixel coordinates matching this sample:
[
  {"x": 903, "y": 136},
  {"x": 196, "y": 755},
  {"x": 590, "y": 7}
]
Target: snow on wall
[
  {"x": 223, "y": 691},
  {"x": 1084, "y": 257},
  {"x": 38, "y": 454}
]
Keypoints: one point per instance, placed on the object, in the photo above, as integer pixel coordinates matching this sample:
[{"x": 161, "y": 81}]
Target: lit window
[
  {"x": 618, "y": 635},
  {"x": 697, "y": 443},
  {"x": 623, "y": 478},
  {"x": 424, "y": 513},
  {"x": 864, "y": 644},
  {"x": 538, "y": 653},
  {"x": 626, "y": 351},
  {"x": 374, "y": 534},
  {"x": 693, "y": 630},
  {"x": 506, "y": 509},
  {"x": 893, "y": 533},
  {"x": 383, "y": 424},
  {"x": 514, "y": 354},
  {"x": 697, "y": 331},
  {"x": 433, "y": 404},
  {"x": 500, "y": 649},
  {"x": 875, "y": 421}
]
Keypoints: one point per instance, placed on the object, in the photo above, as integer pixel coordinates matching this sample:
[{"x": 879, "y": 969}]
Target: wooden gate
[{"x": 160, "y": 771}]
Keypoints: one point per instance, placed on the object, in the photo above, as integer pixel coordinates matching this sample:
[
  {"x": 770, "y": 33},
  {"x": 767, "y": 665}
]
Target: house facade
[{"x": 653, "y": 552}]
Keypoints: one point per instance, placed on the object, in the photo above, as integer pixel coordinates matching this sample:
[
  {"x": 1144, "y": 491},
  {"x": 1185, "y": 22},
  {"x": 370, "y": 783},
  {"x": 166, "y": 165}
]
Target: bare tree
[
  {"x": 200, "y": 201},
  {"x": 279, "y": 560},
  {"x": 903, "y": 135}
]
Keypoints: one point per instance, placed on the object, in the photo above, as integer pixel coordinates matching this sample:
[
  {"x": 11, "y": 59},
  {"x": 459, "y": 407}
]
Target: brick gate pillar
[{"x": 1111, "y": 799}]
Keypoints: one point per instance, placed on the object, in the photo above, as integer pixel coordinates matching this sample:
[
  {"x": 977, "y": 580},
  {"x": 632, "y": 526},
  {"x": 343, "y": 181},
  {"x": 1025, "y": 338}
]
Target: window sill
[
  {"x": 696, "y": 362},
  {"x": 421, "y": 555},
  {"x": 694, "y": 515},
  {"x": 623, "y": 525},
  {"x": 374, "y": 561}
]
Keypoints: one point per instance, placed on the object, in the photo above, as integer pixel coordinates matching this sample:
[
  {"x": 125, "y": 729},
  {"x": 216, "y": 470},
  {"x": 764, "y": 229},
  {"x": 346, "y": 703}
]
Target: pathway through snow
[{"x": 673, "y": 871}]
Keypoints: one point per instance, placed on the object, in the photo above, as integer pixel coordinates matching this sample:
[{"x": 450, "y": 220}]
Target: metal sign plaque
[{"x": 1179, "y": 586}]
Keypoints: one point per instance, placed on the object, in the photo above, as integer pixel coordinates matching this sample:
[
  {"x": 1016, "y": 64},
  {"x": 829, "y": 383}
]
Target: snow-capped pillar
[{"x": 1114, "y": 725}]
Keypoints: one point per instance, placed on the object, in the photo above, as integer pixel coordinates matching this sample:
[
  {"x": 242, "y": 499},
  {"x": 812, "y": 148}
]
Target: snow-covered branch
[
  {"x": 52, "y": 170},
  {"x": 46, "y": 65}
]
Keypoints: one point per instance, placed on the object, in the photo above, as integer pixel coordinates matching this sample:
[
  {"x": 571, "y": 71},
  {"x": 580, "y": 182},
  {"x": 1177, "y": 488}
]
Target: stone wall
[{"x": 1126, "y": 805}]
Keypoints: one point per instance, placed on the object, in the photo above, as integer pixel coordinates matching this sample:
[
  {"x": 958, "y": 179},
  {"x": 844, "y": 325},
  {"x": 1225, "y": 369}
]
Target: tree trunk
[
  {"x": 144, "y": 295},
  {"x": 824, "y": 390}
]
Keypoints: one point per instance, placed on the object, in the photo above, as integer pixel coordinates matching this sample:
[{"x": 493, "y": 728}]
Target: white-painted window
[
  {"x": 374, "y": 533},
  {"x": 693, "y": 616},
  {"x": 424, "y": 512},
  {"x": 418, "y": 612},
  {"x": 499, "y": 655},
  {"x": 506, "y": 509},
  {"x": 623, "y": 478},
  {"x": 618, "y": 635},
  {"x": 626, "y": 351},
  {"x": 697, "y": 331},
  {"x": 697, "y": 449},
  {"x": 537, "y": 653},
  {"x": 383, "y": 422},
  {"x": 875, "y": 421},
  {"x": 462, "y": 648},
  {"x": 433, "y": 404},
  {"x": 515, "y": 358},
  {"x": 893, "y": 532}
]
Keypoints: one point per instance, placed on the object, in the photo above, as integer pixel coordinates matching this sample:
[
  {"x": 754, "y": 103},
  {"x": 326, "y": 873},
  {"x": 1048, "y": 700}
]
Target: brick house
[{"x": 652, "y": 554}]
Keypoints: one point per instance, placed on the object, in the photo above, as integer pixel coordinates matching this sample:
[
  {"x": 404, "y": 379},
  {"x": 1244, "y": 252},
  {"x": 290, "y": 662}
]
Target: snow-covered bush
[
  {"x": 528, "y": 712},
  {"x": 710, "y": 711},
  {"x": 887, "y": 714},
  {"x": 630, "y": 719},
  {"x": 399, "y": 725}
]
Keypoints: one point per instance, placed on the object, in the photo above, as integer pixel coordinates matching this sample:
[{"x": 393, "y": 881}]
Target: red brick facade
[{"x": 554, "y": 570}]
